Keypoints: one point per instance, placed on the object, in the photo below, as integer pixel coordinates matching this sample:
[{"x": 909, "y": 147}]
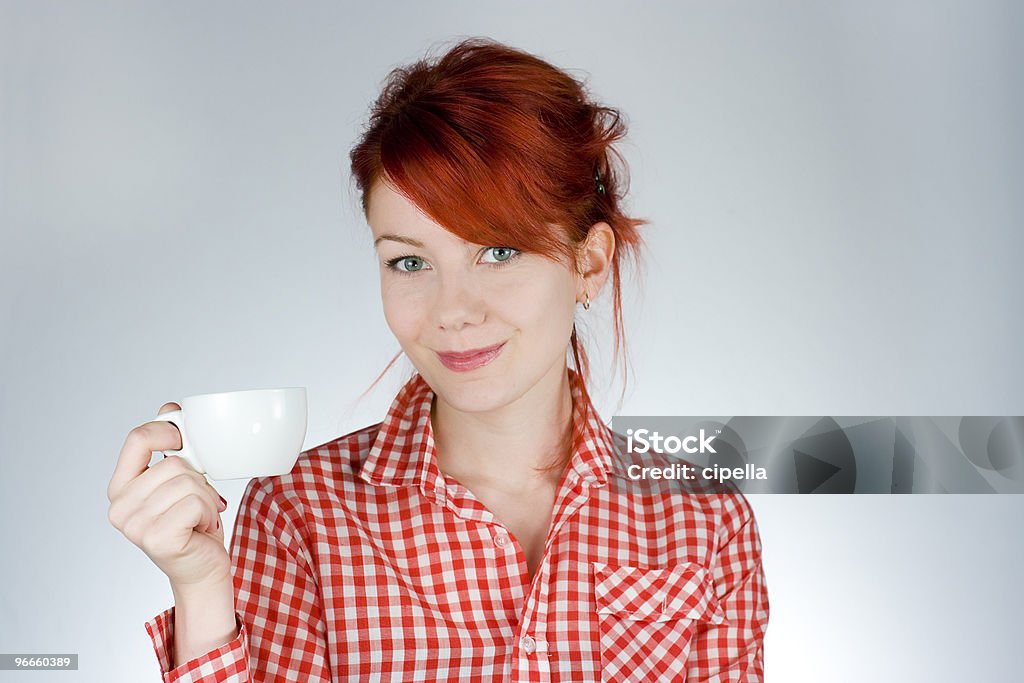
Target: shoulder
[{"x": 320, "y": 473}]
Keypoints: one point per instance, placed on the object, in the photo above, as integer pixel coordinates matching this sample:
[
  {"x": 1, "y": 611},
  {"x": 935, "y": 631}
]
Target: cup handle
[{"x": 186, "y": 453}]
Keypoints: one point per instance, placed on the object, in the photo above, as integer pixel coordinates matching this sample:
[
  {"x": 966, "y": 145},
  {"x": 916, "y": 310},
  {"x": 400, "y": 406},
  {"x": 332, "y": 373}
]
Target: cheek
[
  {"x": 403, "y": 308},
  {"x": 545, "y": 303}
]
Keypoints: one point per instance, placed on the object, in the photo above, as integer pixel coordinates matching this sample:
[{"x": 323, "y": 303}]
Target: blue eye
[
  {"x": 503, "y": 254},
  {"x": 496, "y": 256},
  {"x": 415, "y": 261}
]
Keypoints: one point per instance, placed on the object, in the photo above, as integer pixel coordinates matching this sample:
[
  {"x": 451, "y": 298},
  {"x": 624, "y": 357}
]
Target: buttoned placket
[
  {"x": 530, "y": 648},
  {"x": 534, "y": 650}
]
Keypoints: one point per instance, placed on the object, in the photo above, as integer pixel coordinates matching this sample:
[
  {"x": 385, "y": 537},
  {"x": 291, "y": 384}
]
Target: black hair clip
[{"x": 597, "y": 180}]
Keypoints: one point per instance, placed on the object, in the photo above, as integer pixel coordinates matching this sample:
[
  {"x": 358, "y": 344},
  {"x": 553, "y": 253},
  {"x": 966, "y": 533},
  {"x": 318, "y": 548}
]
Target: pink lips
[{"x": 470, "y": 360}]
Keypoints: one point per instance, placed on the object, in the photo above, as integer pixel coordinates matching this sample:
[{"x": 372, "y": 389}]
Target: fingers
[
  {"x": 149, "y": 520},
  {"x": 147, "y": 494},
  {"x": 167, "y": 509},
  {"x": 179, "y": 501},
  {"x": 165, "y": 536},
  {"x": 138, "y": 449}
]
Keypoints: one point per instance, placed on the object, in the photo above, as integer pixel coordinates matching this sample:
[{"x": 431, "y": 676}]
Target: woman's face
[{"x": 443, "y": 294}]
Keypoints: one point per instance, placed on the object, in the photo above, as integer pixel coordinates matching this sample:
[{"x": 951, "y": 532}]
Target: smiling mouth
[{"x": 470, "y": 360}]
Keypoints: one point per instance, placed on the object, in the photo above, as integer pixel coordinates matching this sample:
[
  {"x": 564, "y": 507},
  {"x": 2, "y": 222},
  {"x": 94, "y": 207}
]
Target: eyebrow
[{"x": 399, "y": 238}]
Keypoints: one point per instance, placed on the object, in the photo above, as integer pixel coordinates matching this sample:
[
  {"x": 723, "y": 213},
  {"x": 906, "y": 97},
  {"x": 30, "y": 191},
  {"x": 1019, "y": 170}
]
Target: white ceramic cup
[{"x": 241, "y": 434}]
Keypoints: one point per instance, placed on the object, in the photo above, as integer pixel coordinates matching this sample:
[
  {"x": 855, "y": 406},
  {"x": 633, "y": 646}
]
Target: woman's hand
[{"x": 168, "y": 509}]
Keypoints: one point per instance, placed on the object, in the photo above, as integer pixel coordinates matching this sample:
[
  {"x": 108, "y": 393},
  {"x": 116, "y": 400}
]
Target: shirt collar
[{"x": 403, "y": 452}]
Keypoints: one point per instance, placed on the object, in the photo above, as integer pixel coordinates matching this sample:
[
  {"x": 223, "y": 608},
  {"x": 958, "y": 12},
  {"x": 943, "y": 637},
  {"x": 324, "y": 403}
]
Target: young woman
[{"x": 486, "y": 529}]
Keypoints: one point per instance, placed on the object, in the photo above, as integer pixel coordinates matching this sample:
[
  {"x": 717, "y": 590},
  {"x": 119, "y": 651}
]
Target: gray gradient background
[{"x": 836, "y": 207}]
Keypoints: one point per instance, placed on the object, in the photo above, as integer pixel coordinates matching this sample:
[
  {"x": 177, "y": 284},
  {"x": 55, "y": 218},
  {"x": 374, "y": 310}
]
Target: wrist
[
  {"x": 202, "y": 590},
  {"x": 204, "y": 619}
]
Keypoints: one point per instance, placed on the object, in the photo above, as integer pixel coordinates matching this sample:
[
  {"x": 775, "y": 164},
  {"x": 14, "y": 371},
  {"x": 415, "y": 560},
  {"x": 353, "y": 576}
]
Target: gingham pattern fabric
[{"x": 365, "y": 563}]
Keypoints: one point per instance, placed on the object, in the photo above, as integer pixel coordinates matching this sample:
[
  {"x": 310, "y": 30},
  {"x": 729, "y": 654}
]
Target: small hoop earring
[{"x": 586, "y": 304}]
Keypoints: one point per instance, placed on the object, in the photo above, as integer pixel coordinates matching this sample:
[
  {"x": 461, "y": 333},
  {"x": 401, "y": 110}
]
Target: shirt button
[
  {"x": 529, "y": 645},
  {"x": 501, "y": 539}
]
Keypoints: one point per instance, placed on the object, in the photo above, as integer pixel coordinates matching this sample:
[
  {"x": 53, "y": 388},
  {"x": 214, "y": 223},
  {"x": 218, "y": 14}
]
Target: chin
[
  {"x": 478, "y": 394},
  {"x": 471, "y": 392}
]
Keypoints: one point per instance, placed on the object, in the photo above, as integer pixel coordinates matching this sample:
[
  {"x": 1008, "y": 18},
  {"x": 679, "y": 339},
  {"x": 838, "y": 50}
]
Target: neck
[{"x": 504, "y": 448}]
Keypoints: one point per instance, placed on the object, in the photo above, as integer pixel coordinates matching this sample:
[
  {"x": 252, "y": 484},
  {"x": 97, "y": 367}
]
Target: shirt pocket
[{"x": 647, "y": 618}]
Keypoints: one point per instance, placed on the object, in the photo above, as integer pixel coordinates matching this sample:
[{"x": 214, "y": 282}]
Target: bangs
[{"x": 487, "y": 188}]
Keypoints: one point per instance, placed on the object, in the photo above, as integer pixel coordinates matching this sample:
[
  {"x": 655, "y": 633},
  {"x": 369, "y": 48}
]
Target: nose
[{"x": 458, "y": 302}]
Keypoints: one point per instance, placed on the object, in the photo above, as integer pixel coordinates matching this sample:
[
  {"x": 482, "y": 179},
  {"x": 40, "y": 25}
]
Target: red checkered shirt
[{"x": 366, "y": 563}]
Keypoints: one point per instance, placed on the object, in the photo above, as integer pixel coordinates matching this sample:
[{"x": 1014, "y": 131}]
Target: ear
[{"x": 594, "y": 260}]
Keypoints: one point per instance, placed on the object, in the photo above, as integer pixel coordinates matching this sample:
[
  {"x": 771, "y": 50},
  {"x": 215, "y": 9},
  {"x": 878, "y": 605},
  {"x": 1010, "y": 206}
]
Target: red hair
[{"x": 501, "y": 148}]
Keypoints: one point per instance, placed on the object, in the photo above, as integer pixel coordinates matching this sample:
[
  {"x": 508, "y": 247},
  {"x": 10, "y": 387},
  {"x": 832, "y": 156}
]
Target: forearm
[{"x": 204, "y": 619}]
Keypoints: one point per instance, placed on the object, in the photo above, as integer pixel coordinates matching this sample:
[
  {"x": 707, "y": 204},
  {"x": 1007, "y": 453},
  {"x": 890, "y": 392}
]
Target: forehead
[
  {"x": 391, "y": 213},
  {"x": 389, "y": 210}
]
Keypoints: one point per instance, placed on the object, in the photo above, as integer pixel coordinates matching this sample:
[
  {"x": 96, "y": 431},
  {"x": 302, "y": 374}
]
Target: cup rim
[{"x": 245, "y": 391}]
